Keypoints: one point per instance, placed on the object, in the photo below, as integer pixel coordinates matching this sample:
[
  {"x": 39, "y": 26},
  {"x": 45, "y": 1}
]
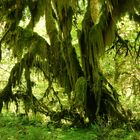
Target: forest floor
[{"x": 13, "y": 128}]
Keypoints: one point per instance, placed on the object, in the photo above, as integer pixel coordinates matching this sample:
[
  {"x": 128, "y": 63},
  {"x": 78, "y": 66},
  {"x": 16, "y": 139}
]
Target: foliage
[
  {"x": 121, "y": 68},
  {"x": 13, "y": 128}
]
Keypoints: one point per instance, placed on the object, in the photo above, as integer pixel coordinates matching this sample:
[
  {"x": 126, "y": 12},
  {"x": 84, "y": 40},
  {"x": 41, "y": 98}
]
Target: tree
[{"x": 93, "y": 94}]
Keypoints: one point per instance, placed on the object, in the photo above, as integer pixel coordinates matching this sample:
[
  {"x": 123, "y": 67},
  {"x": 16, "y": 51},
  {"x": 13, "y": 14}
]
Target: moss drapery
[{"x": 59, "y": 59}]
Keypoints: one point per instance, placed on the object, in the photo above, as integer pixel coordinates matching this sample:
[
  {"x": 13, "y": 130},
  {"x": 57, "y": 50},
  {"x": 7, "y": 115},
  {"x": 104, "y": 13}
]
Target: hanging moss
[
  {"x": 96, "y": 40},
  {"x": 95, "y": 8},
  {"x": 63, "y": 6},
  {"x": 6, "y": 95},
  {"x": 16, "y": 73},
  {"x": 0, "y": 52},
  {"x": 37, "y": 9},
  {"x": 65, "y": 21}
]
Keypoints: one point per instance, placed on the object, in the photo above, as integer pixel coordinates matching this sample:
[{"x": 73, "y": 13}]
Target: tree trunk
[{"x": 101, "y": 101}]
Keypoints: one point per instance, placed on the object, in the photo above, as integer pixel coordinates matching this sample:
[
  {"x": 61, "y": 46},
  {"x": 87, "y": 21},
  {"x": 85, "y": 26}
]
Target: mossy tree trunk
[{"x": 92, "y": 44}]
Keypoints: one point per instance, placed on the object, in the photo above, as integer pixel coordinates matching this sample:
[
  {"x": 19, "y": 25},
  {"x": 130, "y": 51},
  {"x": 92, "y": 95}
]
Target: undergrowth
[{"x": 21, "y": 128}]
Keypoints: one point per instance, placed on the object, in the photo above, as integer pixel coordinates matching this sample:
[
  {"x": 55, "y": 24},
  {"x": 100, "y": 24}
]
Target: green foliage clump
[
  {"x": 57, "y": 60},
  {"x": 14, "y": 127}
]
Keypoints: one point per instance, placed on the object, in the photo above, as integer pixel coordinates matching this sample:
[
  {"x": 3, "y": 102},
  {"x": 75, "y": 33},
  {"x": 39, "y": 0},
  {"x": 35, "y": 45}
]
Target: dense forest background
[{"x": 70, "y": 61}]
